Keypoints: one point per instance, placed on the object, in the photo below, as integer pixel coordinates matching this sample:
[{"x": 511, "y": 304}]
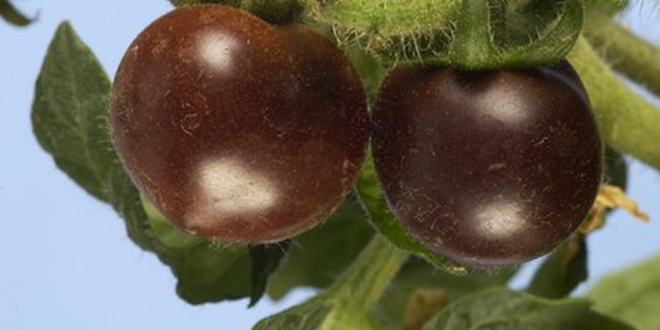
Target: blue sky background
[{"x": 65, "y": 259}]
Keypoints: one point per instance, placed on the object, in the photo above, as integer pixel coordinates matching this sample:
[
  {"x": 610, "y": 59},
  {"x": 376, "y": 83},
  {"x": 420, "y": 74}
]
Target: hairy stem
[
  {"x": 460, "y": 33},
  {"x": 629, "y": 54},
  {"x": 627, "y": 121},
  {"x": 357, "y": 291},
  {"x": 386, "y": 17}
]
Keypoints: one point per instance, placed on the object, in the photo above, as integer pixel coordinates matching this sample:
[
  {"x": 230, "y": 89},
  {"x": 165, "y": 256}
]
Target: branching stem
[
  {"x": 629, "y": 54},
  {"x": 355, "y": 294},
  {"x": 627, "y": 121}
]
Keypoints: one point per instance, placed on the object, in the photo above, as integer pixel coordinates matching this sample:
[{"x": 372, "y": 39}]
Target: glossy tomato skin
[
  {"x": 488, "y": 168},
  {"x": 237, "y": 129}
]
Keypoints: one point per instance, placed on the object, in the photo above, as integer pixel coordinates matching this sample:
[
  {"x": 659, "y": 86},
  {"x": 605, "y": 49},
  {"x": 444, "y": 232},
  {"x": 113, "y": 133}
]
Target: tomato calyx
[{"x": 459, "y": 33}]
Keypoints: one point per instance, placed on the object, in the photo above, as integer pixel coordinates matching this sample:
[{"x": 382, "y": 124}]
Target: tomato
[
  {"x": 488, "y": 167},
  {"x": 237, "y": 129}
]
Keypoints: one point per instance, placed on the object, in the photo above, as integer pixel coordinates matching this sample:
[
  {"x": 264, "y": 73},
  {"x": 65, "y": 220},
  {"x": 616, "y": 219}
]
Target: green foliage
[
  {"x": 306, "y": 316},
  {"x": 371, "y": 70},
  {"x": 347, "y": 303},
  {"x": 632, "y": 295},
  {"x": 563, "y": 270},
  {"x": 70, "y": 120},
  {"x": 418, "y": 274},
  {"x": 265, "y": 260},
  {"x": 10, "y": 14},
  {"x": 209, "y": 271},
  {"x": 616, "y": 168},
  {"x": 69, "y": 117},
  {"x": 507, "y": 309},
  {"x": 458, "y": 33},
  {"x": 369, "y": 285},
  {"x": 507, "y": 41},
  {"x": 315, "y": 258}
]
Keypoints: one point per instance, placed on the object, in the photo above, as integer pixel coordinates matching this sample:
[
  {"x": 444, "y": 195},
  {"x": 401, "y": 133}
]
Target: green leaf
[
  {"x": 69, "y": 118},
  {"x": 418, "y": 274},
  {"x": 265, "y": 260},
  {"x": 632, "y": 295},
  {"x": 69, "y": 112},
  {"x": 205, "y": 271},
  {"x": 370, "y": 69},
  {"x": 319, "y": 256},
  {"x": 562, "y": 271},
  {"x": 306, "y": 316},
  {"x": 508, "y": 309},
  {"x": 10, "y": 14},
  {"x": 209, "y": 271}
]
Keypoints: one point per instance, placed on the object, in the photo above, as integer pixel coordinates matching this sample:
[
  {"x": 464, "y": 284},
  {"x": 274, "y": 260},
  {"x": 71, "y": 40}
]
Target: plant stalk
[
  {"x": 626, "y": 52},
  {"x": 627, "y": 121},
  {"x": 385, "y": 17},
  {"x": 358, "y": 290}
]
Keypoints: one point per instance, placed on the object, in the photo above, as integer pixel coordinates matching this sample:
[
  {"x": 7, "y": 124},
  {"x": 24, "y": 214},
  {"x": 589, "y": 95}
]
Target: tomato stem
[
  {"x": 629, "y": 54},
  {"x": 457, "y": 33},
  {"x": 357, "y": 291},
  {"x": 385, "y": 18},
  {"x": 627, "y": 121}
]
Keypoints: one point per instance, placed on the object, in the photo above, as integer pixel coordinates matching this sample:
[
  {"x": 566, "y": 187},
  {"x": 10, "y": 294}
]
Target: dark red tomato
[
  {"x": 487, "y": 168},
  {"x": 237, "y": 129}
]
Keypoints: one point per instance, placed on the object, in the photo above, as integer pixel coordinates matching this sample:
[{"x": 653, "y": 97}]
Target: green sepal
[
  {"x": 516, "y": 33},
  {"x": 465, "y": 34}
]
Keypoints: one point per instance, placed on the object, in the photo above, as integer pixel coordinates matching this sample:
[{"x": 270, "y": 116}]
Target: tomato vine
[{"x": 376, "y": 36}]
